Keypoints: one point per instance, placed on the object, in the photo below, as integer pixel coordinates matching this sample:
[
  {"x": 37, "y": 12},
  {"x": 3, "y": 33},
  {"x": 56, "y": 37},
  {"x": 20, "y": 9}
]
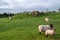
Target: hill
[{"x": 27, "y": 28}]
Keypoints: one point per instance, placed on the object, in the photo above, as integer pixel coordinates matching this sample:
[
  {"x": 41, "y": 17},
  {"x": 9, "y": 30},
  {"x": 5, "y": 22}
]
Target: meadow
[{"x": 27, "y": 28}]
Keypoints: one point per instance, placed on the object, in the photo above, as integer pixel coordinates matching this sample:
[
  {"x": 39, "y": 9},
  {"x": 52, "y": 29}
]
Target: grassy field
[{"x": 27, "y": 28}]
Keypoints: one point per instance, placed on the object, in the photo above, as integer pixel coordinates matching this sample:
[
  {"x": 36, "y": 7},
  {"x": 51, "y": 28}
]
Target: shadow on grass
[{"x": 57, "y": 36}]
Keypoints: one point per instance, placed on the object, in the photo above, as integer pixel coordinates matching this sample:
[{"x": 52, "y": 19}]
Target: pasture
[{"x": 27, "y": 28}]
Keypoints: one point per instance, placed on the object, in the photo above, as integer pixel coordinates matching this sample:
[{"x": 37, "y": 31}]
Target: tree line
[
  {"x": 33, "y": 13},
  {"x": 6, "y": 15}
]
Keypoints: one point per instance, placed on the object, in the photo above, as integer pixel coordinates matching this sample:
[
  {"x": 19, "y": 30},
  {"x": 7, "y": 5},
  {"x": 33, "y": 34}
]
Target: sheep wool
[{"x": 50, "y": 32}]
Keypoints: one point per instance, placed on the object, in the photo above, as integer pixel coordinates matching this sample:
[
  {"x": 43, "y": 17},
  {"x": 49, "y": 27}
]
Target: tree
[
  {"x": 35, "y": 13},
  {"x": 59, "y": 9}
]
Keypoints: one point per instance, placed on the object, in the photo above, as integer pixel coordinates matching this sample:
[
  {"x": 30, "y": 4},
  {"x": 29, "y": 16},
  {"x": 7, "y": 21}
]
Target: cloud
[
  {"x": 35, "y": 3},
  {"x": 7, "y": 6},
  {"x": 8, "y": 1},
  {"x": 29, "y": 4}
]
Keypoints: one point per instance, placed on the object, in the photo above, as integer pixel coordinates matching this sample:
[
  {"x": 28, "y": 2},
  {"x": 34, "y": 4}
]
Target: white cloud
[
  {"x": 7, "y": 6},
  {"x": 8, "y": 1},
  {"x": 29, "y": 4},
  {"x": 33, "y": 3}
]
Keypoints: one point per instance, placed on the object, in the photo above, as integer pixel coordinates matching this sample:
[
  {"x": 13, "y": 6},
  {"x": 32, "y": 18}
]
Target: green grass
[{"x": 27, "y": 28}]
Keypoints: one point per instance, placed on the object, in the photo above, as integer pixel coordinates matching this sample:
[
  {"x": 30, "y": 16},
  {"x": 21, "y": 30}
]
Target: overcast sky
[{"x": 28, "y": 5}]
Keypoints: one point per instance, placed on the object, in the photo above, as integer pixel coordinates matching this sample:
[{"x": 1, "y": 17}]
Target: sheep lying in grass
[
  {"x": 50, "y": 32},
  {"x": 43, "y": 28}
]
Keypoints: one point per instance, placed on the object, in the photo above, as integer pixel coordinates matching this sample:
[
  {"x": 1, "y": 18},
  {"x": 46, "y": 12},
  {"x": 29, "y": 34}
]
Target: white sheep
[
  {"x": 47, "y": 19},
  {"x": 43, "y": 28},
  {"x": 10, "y": 17},
  {"x": 50, "y": 32}
]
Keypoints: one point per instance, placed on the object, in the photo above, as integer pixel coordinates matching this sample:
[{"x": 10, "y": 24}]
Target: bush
[{"x": 35, "y": 13}]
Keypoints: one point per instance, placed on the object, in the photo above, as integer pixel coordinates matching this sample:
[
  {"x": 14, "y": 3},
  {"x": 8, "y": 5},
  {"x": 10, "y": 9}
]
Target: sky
[{"x": 28, "y": 5}]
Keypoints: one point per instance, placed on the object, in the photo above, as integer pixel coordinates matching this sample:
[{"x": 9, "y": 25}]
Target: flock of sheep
[{"x": 47, "y": 29}]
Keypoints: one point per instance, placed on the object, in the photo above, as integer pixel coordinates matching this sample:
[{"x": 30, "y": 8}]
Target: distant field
[{"x": 27, "y": 28}]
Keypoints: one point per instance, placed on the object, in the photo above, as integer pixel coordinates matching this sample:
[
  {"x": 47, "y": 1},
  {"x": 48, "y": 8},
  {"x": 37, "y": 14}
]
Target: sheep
[
  {"x": 10, "y": 17},
  {"x": 50, "y": 32},
  {"x": 47, "y": 19},
  {"x": 43, "y": 28}
]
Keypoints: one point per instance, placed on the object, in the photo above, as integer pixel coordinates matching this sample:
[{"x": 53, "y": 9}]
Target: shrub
[{"x": 35, "y": 13}]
